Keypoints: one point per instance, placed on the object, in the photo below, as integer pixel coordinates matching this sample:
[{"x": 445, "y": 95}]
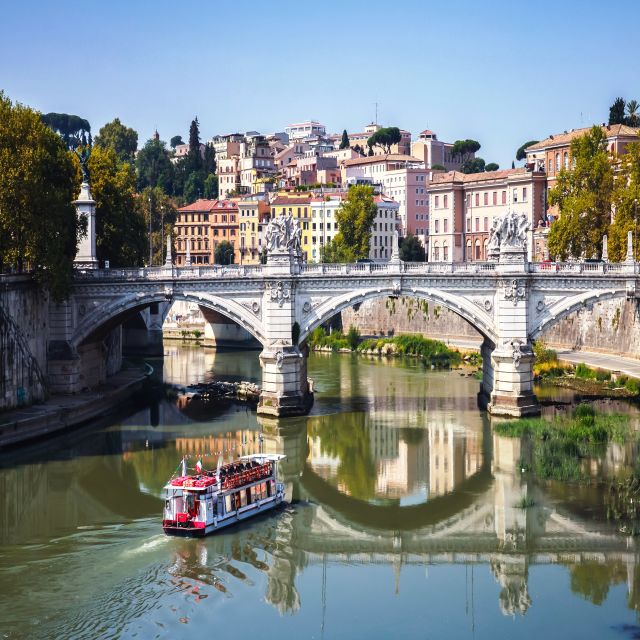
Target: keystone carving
[
  {"x": 515, "y": 291},
  {"x": 280, "y": 292},
  {"x": 254, "y": 307}
]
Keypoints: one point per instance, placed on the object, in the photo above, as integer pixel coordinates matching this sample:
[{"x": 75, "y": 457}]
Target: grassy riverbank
[{"x": 432, "y": 352}]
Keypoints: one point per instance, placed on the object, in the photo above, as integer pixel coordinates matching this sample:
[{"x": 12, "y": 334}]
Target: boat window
[
  {"x": 272, "y": 488},
  {"x": 243, "y": 498},
  {"x": 228, "y": 504},
  {"x": 249, "y": 496},
  {"x": 263, "y": 489}
]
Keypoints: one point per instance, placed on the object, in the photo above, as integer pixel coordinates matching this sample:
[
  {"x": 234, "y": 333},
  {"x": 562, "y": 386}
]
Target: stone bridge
[{"x": 509, "y": 301}]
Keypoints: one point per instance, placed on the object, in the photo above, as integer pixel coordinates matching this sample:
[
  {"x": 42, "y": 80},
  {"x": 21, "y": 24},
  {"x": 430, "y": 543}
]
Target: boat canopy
[{"x": 264, "y": 457}]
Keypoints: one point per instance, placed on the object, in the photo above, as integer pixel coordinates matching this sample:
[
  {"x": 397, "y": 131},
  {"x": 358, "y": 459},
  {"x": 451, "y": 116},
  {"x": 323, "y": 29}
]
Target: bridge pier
[{"x": 512, "y": 394}]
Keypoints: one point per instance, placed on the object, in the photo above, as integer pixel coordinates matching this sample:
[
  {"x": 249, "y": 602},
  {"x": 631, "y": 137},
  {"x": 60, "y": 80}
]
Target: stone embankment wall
[
  {"x": 24, "y": 311},
  {"x": 611, "y": 326}
]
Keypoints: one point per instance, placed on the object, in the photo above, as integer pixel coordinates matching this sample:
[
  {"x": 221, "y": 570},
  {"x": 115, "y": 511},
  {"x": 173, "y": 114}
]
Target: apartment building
[
  {"x": 324, "y": 224},
  {"x": 253, "y": 214},
  {"x": 192, "y": 227},
  {"x": 403, "y": 178},
  {"x": 428, "y": 149},
  {"x": 463, "y": 207},
  {"x": 223, "y": 222},
  {"x": 307, "y": 129}
]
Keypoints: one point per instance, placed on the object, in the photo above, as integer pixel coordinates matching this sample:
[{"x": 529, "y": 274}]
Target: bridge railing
[{"x": 583, "y": 267}]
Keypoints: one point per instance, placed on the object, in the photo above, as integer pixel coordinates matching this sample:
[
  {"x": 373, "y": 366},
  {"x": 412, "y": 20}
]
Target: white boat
[{"x": 196, "y": 505}]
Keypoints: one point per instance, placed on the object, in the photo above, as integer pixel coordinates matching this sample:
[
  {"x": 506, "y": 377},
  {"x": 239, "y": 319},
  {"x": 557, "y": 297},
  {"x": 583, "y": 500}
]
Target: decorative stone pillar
[
  {"x": 86, "y": 207},
  {"x": 168, "y": 261},
  {"x": 629, "y": 257},
  {"x": 187, "y": 260},
  {"x": 605, "y": 248},
  {"x": 285, "y": 388}
]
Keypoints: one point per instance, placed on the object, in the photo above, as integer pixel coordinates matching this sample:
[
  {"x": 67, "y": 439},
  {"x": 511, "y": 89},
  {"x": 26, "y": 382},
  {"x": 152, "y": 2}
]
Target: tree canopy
[
  {"x": 633, "y": 117},
  {"x": 154, "y": 166},
  {"x": 194, "y": 157},
  {"x": 464, "y": 149},
  {"x": 355, "y": 218},
  {"x": 123, "y": 140},
  {"x": 154, "y": 203},
  {"x": 121, "y": 235},
  {"x": 344, "y": 143},
  {"x": 492, "y": 166},
  {"x": 438, "y": 167},
  {"x": 223, "y": 253},
  {"x": 175, "y": 141},
  {"x": 39, "y": 179},
  {"x": 211, "y": 187},
  {"x": 473, "y": 165},
  {"x": 411, "y": 249},
  {"x": 583, "y": 196},
  {"x": 617, "y": 112},
  {"x": 74, "y": 130},
  {"x": 385, "y": 138},
  {"x": 521, "y": 153}
]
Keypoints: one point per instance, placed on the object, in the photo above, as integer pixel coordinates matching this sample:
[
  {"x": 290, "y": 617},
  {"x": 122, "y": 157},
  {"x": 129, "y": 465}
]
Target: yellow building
[
  {"x": 252, "y": 214},
  {"x": 299, "y": 206}
]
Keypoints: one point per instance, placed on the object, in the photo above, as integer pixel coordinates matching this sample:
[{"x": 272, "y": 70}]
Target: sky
[{"x": 501, "y": 73}]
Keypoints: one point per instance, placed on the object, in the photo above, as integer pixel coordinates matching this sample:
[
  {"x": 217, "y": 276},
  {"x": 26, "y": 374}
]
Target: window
[
  {"x": 445, "y": 251},
  {"x": 477, "y": 199},
  {"x": 486, "y": 198},
  {"x": 436, "y": 252},
  {"x": 504, "y": 197},
  {"x": 565, "y": 160},
  {"x": 468, "y": 225},
  {"x": 515, "y": 195},
  {"x": 495, "y": 197},
  {"x": 486, "y": 224},
  {"x": 557, "y": 162},
  {"x": 477, "y": 224},
  {"x": 437, "y": 202},
  {"x": 436, "y": 226},
  {"x": 524, "y": 194},
  {"x": 469, "y": 255},
  {"x": 477, "y": 249},
  {"x": 445, "y": 201},
  {"x": 446, "y": 225}
]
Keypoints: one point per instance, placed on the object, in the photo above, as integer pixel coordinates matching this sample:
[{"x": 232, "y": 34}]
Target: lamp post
[
  {"x": 161, "y": 235},
  {"x": 635, "y": 227},
  {"x": 229, "y": 252},
  {"x": 150, "y": 243}
]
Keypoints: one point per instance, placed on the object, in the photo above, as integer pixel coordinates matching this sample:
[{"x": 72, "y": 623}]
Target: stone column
[
  {"x": 605, "y": 248},
  {"x": 512, "y": 360},
  {"x": 86, "y": 207}
]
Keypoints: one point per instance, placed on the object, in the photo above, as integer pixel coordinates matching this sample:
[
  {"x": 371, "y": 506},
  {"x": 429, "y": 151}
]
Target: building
[
  {"x": 253, "y": 214},
  {"x": 428, "y": 149},
  {"x": 223, "y": 223},
  {"x": 308, "y": 129},
  {"x": 256, "y": 165},
  {"x": 360, "y": 139},
  {"x": 192, "y": 227},
  {"x": 182, "y": 151},
  {"x": 401, "y": 177},
  {"x": 463, "y": 207},
  {"x": 324, "y": 225}
]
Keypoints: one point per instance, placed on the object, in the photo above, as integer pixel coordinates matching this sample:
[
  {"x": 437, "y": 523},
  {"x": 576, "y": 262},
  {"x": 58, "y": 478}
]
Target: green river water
[{"x": 402, "y": 521}]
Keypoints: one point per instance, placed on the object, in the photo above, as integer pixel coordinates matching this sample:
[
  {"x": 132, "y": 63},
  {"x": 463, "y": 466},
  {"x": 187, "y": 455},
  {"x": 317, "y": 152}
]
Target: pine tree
[
  {"x": 194, "y": 158},
  {"x": 345, "y": 140},
  {"x": 617, "y": 112}
]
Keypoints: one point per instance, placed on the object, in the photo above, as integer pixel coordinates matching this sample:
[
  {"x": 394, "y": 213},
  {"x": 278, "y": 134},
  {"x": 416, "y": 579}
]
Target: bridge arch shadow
[
  {"x": 119, "y": 310},
  {"x": 477, "y": 317}
]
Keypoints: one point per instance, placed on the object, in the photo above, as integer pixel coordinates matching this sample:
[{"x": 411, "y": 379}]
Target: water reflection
[{"x": 410, "y": 479}]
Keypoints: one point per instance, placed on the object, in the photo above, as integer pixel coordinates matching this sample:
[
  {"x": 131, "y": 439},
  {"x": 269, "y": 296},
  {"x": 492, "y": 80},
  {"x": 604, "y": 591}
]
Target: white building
[{"x": 301, "y": 130}]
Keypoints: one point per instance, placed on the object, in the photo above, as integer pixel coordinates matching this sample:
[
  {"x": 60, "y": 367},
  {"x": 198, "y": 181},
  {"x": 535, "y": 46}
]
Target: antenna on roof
[{"x": 376, "y": 120}]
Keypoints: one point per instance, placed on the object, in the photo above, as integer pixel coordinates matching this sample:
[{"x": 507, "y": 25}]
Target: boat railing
[{"x": 261, "y": 472}]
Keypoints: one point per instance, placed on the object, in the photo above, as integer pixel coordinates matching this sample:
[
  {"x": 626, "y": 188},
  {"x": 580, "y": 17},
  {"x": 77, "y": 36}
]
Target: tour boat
[{"x": 199, "y": 504}]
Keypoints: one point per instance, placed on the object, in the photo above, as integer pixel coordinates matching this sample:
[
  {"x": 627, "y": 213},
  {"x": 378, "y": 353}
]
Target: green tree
[
  {"x": 336, "y": 251},
  {"x": 209, "y": 160},
  {"x": 617, "y": 112},
  {"x": 521, "y": 153},
  {"x": 39, "y": 179},
  {"x": 411, "y": 249},
  {"x": 464, "y": 149},
  {"x": 633, "y": 118},
  {"x": 223, "y": 253},
  {"x": 74, "y": 130},
  {"x": 583, "y": 196},
  {"x": 385, "y": 138},
  {"x": 473, "y": 165},
  {"x": 121, "y": 234},
  {"x": 154, "y": 203},
  {"x": 492, "y": 166},
  {"x": 194, "y": 186},
  {"x": 626, "y": 204},
  {"x": 438, "y": 167},
  {"x": 175, "y": 141},
  {"x": 194, "y": 157},
  {"x": 123, "y": 140},
  {"x": 154, "y": 166},
  {"x": 355, "y": 217},
  {"x": 211, "y": 187},
  {"x": 345, "y": 144}
]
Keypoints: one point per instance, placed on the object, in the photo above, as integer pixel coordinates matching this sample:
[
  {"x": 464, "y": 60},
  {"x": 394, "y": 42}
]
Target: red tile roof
[
  {"x": 390, "y": 157},
  {"x": 199, "y": 205},
  {"x": 458, "y": 176},
  {"x": 560, "y": 139},
  {"x": 284, "y": 200}
]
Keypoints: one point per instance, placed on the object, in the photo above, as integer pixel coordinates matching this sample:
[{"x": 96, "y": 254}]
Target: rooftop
[
  {"x": 560, "y": 139},
  {"x": 389, "y": 157},
  {"x": 199, "y": 205},
  {"x": 467, "y": 178}
]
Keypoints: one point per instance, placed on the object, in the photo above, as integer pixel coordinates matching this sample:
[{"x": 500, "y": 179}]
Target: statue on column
[
  {"x": 83, "y": 156},
  {"x": 284, "y": 235}
]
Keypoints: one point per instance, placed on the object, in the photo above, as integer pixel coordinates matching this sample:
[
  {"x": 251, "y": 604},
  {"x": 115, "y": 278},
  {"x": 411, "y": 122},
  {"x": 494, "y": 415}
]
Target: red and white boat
[{"x": 200, "y": 504}]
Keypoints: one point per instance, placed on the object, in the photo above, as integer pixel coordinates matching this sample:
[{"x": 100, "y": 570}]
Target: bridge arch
[
  {"x": 117, "y": 309},
  {"x": 566, "y": 306},
  {"x": 477, "y": 317}
]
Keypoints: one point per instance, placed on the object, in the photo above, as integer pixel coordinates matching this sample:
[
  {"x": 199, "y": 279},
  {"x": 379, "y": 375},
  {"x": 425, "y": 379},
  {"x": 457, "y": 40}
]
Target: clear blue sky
[{"x": 498, "y": 72}]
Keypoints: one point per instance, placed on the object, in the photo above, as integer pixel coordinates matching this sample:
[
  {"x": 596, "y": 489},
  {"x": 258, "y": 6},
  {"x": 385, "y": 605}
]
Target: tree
[
  {"x": 633, "y": 118},
  {"x": 121, "y": 235},
  {"x": 156, "y": 204},
  {"x": 411, "y": 249},
  {"x": 521, "y": 153},
  {"x": 39, "y": 179},
  {"x": 336, "y": 251},
  {"x": 194, "y": 186},
  {"x": 74, "y": 130},
  {"x": 359, "y": 149},
  {"x": 355, "y": 218},
  {"x": 492, "y": 166},
  {"x": 175, "y": 141},
  {"x": 123, "y": 140},
  {"x": 473, "y": 165},
  {"x": 345, "y": 144},
  {"x": 616, "y": 112},
  {"x": 464, "y": 149},
  {"x": 385, "y": 138},
  {"x": 209, "y": 164},
  {"x": 223, "y": 253},
  {"x": 194, "y": 157},
  {"x": 626, "y": 204},
  {"x": 583, "y": 196},
  {"x": 154, "y": 166},
  {"x": 438, "y": 167},
  {"x": 211, "y": 187}
]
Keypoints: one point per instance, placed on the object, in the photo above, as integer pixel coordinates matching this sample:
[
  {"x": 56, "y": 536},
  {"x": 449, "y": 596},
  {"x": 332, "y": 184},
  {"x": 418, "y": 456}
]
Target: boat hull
[{"x": 229, "y": 520}]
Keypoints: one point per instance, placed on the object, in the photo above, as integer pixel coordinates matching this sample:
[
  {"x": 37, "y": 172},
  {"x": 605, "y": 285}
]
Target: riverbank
[{"x": 64, "y": 412}]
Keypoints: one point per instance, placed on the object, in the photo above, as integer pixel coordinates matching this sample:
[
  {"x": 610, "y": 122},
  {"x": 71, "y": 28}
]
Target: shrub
[
  {"x": 197, "y": 333},
  {"x": 544, "y": 354},
  {"x": 633, "y": 386},
  {"x": 353, "y": 338},
  {"x": 585, "y": 372}
]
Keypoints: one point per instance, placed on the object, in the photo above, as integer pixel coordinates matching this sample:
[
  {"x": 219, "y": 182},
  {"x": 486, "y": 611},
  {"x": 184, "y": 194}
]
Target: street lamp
[
  {"x": 635, "y": 227},
  {"x": 229, "y": 252},
  {"x": 150, "y": 247}
]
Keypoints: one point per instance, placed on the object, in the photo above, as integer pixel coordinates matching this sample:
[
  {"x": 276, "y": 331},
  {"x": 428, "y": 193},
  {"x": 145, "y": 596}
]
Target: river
[{"x": 403, "y": 521}]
